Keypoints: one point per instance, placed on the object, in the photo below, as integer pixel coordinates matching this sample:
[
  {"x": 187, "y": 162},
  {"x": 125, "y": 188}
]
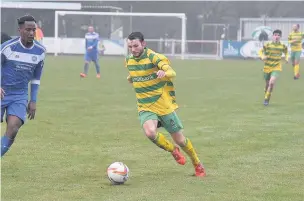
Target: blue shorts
[
  {"x": 92, "y": 56},
  {"x": 14, "y": 105}
]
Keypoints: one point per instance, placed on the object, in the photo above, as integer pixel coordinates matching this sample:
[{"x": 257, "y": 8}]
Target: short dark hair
[
  {"x": 277, "y": 31},
  {"x": 136, "y": 35},
  {"x": 25, "y": 18}
]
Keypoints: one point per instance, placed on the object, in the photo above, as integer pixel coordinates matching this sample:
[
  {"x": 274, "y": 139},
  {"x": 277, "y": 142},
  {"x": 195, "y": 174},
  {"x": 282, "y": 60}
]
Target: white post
[
  {"x": 56, "y": 33},
  {"x": 183, "y": 48},
  {"x": 173, "y": 47},
  {"x": 221, "y": 49},
  {"x": 241, "y": 30},
  {"x": 131, "y": 19}
]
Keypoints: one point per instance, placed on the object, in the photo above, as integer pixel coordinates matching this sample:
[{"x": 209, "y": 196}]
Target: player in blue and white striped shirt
[
  {"x": 91, "y": 45},
  {"x": 22, "y": 61}
]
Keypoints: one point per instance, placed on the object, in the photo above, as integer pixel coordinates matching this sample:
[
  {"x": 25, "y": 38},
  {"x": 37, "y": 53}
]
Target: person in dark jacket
[{"x": 5, "y": 37}]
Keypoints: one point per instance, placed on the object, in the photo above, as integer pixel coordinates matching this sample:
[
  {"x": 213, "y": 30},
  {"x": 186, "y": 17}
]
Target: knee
[
  {"x": 271, "y": 83},
  {"x": 150, "y": 132},
  {"x": 179, "y": 138},
  {"x": 12, "y": 130}
]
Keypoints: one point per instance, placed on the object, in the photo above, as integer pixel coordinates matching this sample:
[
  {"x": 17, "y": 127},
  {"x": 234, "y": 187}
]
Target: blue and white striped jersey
[
  {"x": 20, "y": 65},
  {"x": 92, "y": 39}
]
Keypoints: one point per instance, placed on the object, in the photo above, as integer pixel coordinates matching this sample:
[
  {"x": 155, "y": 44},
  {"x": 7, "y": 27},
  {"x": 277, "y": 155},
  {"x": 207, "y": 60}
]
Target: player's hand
[
  {"x": 264, "y": 58},
  {"x": 2, "y": 93},
  {"x": 31, "y": 110},
  {"x": 129, "y": 79},
  {"x": 160, "y": 74}
]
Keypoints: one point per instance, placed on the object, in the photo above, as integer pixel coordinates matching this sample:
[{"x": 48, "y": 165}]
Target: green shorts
[
  {"x": 275, "y": 73},
  {"x": 170, "y": 122},
  {"x": 295, "y": 56}
]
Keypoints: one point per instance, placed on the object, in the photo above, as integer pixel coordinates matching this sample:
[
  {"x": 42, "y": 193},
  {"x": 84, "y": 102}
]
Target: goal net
[{"x": 113, "y": 28}]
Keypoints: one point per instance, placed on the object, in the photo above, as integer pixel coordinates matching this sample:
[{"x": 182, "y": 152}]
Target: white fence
[
  {"x": 170, "y": 47},
  {"x": 195, "y": 49}
]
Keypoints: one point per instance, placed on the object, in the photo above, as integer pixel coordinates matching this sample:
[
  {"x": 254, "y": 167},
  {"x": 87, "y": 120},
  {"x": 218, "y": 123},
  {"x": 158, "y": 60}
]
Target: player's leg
[
  {"x": 173, "y": 125},
  {"x": 97, "y": 66},
  {"x": 292, "y": 59},
  {"x": 3, "y": 109},
  {"x": 13, "y": 125},
  {"x": 149, "y": 121},
  {"x": 296, "y": 64},
  {"x": 87, "y": 60},
  {"x": 273, "y": 77},
  {"x": 266, "y": 86},
  {"x": 5, "y": 142},
  {"x": 15, "y": 117},
  {"x": 176, "y": 153},
  {"x": 267, "y": 78}
]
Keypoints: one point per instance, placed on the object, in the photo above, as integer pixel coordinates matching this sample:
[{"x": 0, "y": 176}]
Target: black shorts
[{"x": 159, "y": 124}]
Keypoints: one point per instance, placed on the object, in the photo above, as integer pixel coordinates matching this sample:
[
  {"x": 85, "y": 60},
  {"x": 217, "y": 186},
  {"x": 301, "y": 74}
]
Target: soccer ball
[{"x": 118, "y": 173}]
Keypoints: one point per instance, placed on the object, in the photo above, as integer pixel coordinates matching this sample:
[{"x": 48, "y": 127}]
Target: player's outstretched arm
[
  {"x": 3, "y": 59},
  {"x": 95, "y": 44},
  {"x": 129, "y": 78},
  {"x": 286, "y": 53},
  {"x": 35, "y": 83},
  {"x": 168, "y": 72},
  {"x": 164, "y": 66},
  {"x": 261, "y": 53}
]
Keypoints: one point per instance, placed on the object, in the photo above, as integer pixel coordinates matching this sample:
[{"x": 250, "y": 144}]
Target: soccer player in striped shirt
[
  {"x": 22, "y": 61},
  {"x": 91, "y": 45},
  {"x": 295, "y": 40},
  {"x": 151, "y": 75},
  {"x": 271, "y": 54}
]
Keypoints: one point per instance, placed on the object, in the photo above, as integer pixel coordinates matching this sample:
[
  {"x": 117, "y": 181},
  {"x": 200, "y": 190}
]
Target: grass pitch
[{"x": 251, "y": 152}]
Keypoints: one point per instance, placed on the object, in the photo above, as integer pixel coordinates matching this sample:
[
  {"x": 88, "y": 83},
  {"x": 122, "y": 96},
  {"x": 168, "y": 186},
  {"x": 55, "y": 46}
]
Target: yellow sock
[
  {"x": 267, "y": 95},
  {"x": 190, "y": 151},
  {"x": 296, "y": 69},
  {"x": 163, "y": 143}
]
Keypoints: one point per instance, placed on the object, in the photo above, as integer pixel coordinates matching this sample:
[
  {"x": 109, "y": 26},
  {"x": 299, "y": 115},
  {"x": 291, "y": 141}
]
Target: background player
[
  {"x": 91, "y": 45},
  {"x": 295, "y": 41},
  {"x": 4, "y": 37},
  {"x": 151, "y": 74},
  {"x": 39, "y": 33},
  {"x": 22, "y": 60},
  {"x": 271, "y": 54},
  {"x": 101, "y": 48}
]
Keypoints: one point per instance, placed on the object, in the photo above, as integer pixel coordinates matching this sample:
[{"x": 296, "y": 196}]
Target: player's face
[
  {"x": 295, "y": 27},
  {"x": 276, "y": 37},
  {"x": 90, "y": 29},
  {"x": 27, "y": 32},
  {"x": 136, "y": 47}
]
